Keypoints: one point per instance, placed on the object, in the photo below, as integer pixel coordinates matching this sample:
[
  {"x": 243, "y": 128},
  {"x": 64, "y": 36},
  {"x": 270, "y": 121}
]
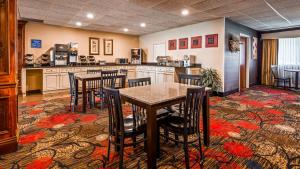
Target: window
[{"x": 289, "y": 51}]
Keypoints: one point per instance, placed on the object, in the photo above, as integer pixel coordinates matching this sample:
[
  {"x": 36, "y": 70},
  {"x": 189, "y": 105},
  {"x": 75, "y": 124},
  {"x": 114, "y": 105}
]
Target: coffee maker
[
  {"x": 73, "y": 53},
  {"x": 61, "y": 54}
]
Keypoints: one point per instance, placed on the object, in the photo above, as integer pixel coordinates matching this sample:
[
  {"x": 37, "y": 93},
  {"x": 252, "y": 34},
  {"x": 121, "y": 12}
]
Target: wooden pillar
[
  {"x": 21, "y": 52},
  {"x": 8, "y": 69}
]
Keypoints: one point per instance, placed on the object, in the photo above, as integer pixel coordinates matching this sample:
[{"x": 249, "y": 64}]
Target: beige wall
[
  {"x": 51, "y": 35},
  {"x": 208, "y": 57}
]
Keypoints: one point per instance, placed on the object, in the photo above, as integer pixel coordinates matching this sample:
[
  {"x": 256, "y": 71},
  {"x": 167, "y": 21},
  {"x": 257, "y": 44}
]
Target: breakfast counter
[{"x": 49, "y": 79}]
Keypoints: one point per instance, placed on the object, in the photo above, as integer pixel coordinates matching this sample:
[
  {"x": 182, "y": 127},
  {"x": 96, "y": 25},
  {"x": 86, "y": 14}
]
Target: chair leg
[
  {"x": 134, "y": 141},
  {"x": 284, "y": 84},
  {"x": 186, "y": 153},
  {"x": 108, "y": 154},
  {"x": 200, "y": 151},
  {"x": 177, "y": 139},
  {"x": 166, "y": 133},
  {"x": 145, "y": 142},
  {"x": 158, "y": 142}
]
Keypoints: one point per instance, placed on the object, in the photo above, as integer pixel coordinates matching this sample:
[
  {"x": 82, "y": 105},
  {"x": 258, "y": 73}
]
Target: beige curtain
[{"x": 269, "y": 57}]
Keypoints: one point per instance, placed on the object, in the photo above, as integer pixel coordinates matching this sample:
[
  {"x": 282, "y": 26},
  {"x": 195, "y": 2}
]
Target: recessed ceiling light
[
  {"x": 125, "y": 30},
  {"x": 185, "y": 12},
  {"x": 143, "y": 24},
  {"x": 90, "y": 16},
  {"x": 78, "y": 24}
]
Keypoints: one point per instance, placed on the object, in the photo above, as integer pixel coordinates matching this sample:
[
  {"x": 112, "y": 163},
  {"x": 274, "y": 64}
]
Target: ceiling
[{"x": 114, "y": 15}]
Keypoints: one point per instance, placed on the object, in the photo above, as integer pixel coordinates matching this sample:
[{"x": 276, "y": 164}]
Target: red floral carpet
[{"x": 259, "y": 128}]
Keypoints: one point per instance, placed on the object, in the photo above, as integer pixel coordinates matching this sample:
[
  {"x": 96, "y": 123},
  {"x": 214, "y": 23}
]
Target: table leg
[
  {"x": 76, "y": 93},
  {"x": 205, "y": 117},
  {"x": 151, "y": 138},
  {"x": 297, "y": 79},
  {"x": 84, "y": 99}
]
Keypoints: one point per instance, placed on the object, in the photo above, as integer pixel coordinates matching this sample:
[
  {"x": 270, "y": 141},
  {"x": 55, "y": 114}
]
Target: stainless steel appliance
[
  {"x": 164, "y": 60},
  {"x": 121, "y": 61},
  {"x": 73, "y": 53},
  {"x": 189, "y": 60},
  {"x": 61, "y": 54},
  {"x": 29, "y": 60},
  {"x": 136, "y": 56}
]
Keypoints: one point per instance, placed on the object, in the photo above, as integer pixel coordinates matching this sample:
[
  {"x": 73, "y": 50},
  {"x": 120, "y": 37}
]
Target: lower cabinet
[
  {"x": 64, "y": 81},
  {"x": 51, "y": 82}
]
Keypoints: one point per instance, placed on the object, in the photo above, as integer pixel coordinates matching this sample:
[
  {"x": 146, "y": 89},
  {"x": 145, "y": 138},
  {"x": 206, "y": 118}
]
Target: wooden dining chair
[
  {"x": 189, "y": 79},
  {"x": 124, "y": 71},
  {"x": 278, "y": 79},
  {"x": 121, "y": 128},
  {"x": 119, "y": 84},
  {"x": 188, "y": 124},
  {"x": 91, "y": 71},
  {"x": 93, "y": 86}
]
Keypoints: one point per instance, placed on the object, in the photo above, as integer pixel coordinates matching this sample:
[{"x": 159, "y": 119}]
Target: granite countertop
[{"x": 114, "y": 64}]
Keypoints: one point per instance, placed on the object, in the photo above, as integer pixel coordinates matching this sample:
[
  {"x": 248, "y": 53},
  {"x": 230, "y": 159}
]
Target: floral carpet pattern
[{"x": 258, "y": 128}]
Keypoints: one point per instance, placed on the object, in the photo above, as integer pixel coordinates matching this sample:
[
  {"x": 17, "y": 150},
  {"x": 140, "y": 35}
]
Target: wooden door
[
  {"x": 243, "y": 62},
  {"x": 8, "y": 85}
]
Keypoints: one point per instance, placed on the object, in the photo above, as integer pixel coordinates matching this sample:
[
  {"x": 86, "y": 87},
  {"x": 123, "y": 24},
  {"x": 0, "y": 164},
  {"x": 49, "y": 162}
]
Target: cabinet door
[
  {"x": 159, "y": 77},
  {"x": 51, "y": 82},
  {"x": 169, "y": 77},
  {"x": 152, "y": 75},
  {"x": 139, "y": 74},
  {"x": 131, "y": 74},
  {"x": 64, "y": 81}
]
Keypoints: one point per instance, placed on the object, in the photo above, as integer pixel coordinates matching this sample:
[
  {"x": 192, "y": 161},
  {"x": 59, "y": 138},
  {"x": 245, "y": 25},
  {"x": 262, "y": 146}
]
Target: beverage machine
[
  {"x": 73, "y": 53},
  {"x": 136, "y": 56},
  {"x": 61, "y": 52}
]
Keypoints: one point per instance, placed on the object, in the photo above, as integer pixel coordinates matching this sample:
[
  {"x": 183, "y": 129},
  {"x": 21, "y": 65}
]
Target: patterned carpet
[{"x": 259, "y": 128}]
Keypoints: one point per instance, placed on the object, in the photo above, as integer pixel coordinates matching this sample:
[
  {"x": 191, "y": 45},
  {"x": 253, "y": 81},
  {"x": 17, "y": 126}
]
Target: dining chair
[
  {"x": 73, "y": 92},
  {"x": 124, "y": 71},
  {"x": 91, "y": 71},
  {"x": 278, "y": 79},
  {"x": 189, "y": 79},
  {"x": 188, "y": 124},
  {"x": 94, "y": 85},
  {"x": 121, "y": 128},
  {"x": 119, "y": 84}
]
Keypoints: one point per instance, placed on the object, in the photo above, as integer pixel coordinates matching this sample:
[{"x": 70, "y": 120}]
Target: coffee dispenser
[{"x": 73, "y": 53}]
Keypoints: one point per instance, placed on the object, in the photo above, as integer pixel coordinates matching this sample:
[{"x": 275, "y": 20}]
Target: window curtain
[
  {"x": 269, "y": 57},
  {"x": 289, "y": 51}
]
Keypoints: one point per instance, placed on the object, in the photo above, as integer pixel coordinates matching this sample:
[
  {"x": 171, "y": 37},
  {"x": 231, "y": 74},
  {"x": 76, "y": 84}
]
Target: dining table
[
  {"x": 84, "y": 78},
  {"x": 156, "y": 96},
  {"x": 296, "y": 71}
]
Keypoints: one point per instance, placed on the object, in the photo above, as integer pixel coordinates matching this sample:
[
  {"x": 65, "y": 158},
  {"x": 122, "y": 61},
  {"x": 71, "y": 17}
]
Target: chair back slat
[
  {"x": 190, "y": 79},
  {"x": 116, "y": 121},
  {"x": 94, "y": 84},
  {"x": 108, "y": 78},
  {"x": 139, "y": 82},
  {"x": 192, "y": 109},
  {"x": 72, "y": 82},
  {"x": 124, "y": 71}
]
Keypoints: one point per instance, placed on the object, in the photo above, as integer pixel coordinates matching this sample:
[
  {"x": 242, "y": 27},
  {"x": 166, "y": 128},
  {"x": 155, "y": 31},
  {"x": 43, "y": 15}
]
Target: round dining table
[{"x": 296, "y": 71}]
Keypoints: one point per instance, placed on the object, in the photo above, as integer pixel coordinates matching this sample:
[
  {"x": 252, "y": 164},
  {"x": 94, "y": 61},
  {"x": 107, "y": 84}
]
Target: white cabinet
[
  {"x": 169, "y": 77},
  {"x": 64, "y": 81},
  {"x": 159, "y": 77},
  {"x": 50, "y": 81},
  {"x": 165, "y": 74}
]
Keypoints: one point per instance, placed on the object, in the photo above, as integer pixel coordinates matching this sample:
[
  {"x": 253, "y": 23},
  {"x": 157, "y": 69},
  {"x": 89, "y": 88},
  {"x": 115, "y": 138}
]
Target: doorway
[{"x": 243, "y": 62}]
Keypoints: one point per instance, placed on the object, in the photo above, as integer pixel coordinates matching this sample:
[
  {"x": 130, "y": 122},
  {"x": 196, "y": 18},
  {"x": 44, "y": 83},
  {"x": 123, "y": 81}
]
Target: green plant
[{"x": 211, "y": 78}]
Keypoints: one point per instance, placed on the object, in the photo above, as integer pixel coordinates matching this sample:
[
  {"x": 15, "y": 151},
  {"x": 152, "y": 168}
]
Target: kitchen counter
[{"x": 112, "y": 64}]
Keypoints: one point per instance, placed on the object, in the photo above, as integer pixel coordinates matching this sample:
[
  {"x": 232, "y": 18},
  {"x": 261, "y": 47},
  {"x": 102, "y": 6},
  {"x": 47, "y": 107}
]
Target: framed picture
[
  {"x": 183, "y": 43},
  {"x": 196, "y": 42},
  {"x": 172, "y": 44},
  {"x": 36, "y": 43},
  {"x": 108, "y": 46},
  {"x": 211, "y": 40},
  {"x": 254, "y": 48},
  {"x": 94, "y": 46}
]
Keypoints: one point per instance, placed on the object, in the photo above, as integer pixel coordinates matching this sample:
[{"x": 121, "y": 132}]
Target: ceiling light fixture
[
  {"x": 90, "y": 15},
  {"x": 279, "y": 14},
  {"x": 125, "y": 30},
  {"x": 185, "y": 12},
  {"x": 78, "y": 24},
  {"x": 143, "y": 24}
]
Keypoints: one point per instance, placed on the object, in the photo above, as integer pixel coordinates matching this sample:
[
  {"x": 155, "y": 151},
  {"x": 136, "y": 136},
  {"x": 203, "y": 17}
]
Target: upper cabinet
[{"x": 4, "y": 57}]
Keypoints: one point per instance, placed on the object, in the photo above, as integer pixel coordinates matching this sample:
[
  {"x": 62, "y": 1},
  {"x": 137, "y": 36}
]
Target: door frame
[{"x": 248, "y": 57}]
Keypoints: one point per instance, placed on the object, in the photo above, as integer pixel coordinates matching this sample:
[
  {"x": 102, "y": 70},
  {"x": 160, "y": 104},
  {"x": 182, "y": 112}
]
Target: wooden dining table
[
  {"x": 296, "y": 71},
  {"x": 156, "y": 96},
  {"x": 84, "y": 78}
]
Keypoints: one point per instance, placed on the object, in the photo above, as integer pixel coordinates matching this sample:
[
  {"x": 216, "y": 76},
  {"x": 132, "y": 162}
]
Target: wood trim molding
[{"x": 9, "y": 144}]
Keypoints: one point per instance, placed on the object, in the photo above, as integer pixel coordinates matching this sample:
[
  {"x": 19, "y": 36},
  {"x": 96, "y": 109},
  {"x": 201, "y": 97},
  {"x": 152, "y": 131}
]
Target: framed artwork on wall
[
  {"x": 254, "y": 48},
  {"x": 94, "y": 46},
  {"x": 196, "y": 42},
  {"x": 183, "y": 43},
  {"x": 211, "y": 40},
  {"x": 172, "y": 44},
  {"x": 108, "y": 46}
]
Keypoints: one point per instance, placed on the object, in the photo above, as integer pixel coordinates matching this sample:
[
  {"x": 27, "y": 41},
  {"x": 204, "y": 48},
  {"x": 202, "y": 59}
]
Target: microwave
[{"x": 121, "y": 61}]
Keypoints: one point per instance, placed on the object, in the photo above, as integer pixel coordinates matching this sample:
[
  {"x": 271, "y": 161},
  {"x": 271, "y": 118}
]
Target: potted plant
[{"x": 211, "y": 78}]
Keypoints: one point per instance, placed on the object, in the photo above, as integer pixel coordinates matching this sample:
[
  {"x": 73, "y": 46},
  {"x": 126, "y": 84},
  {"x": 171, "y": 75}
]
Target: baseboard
[
  {"x": 223, "y": 94},
  {"x": 8, "y": 145}
]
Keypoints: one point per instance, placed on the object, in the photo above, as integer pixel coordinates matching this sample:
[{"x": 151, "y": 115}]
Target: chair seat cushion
[{"x": 175, "y": 123}]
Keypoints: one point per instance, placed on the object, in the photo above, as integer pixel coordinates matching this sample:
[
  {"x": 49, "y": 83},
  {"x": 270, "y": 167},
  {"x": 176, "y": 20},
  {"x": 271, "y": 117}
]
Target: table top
[
  {"x": 157, "y": 93},
  {"x": 292, "y": 70},
  {"x": 92, "y": 76}
]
